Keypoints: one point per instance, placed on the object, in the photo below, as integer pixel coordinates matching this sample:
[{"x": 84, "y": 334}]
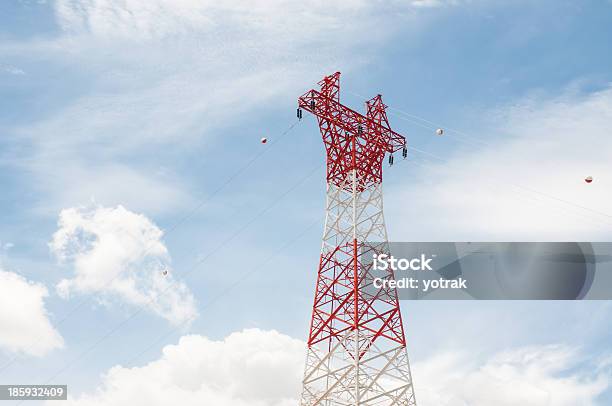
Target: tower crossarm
[
  {"x": 350, "y": 121},
  {"x": 354, "y": 142}
]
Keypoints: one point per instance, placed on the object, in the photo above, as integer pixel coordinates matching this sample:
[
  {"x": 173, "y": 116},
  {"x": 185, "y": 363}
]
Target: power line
[
  {"x": 535, "y": 199},
  {"x": 224, "y": 292},
  {"x": 549, "y": 196},
  {"x": 432, "y": 125},
  {"x": 171, "y": 229},
  {"x": 141, "y": 308},
  {"x": 529, "y": 189}
]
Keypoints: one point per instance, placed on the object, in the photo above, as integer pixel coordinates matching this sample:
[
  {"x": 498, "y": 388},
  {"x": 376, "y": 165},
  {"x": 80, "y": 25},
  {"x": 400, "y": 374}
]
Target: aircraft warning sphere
[
  {"x": 440, "y": 131},
  {"x": 264, "y": 140},
  {"x": 588, "y": 179}
]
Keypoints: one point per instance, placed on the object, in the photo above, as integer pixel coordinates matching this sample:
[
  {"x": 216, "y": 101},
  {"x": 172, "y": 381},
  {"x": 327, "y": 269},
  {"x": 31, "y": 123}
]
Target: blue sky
[{"x": 155, "y": 106}]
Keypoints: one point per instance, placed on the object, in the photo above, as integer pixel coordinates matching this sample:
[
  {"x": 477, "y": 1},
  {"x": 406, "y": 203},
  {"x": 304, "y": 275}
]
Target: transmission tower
[{"x": 356, "y": 346}]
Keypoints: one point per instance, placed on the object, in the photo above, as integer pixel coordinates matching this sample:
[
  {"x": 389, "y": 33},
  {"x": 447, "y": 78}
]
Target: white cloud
[
  {"x": 175, "y": 70},
  {"x": 143, "y": 20},
  {"x": 434, "y": 3},
  {"x": 5, "y": 247},
  {"x": 546, "y": 146},
  {"x": 264, "y": 368},
  {"x": 534, "y": 376},
  {"x": 155, "y": 77},
  {"x": 252, "y": 367},
  {"x": 116, "y": 253},
  {"x": 24, "y": 321},
  {"x": 12, "y": 70},
  {"x": 163, "y": 75},
  {"x": 111, "y": 184}
]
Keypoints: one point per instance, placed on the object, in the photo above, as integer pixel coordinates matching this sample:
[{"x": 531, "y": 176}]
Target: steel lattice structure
[{"x": 356, "y": 346}]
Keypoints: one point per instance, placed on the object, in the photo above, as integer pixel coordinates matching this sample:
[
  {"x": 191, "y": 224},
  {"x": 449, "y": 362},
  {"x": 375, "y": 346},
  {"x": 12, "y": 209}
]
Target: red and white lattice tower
[{"x": 356, "y": 346}]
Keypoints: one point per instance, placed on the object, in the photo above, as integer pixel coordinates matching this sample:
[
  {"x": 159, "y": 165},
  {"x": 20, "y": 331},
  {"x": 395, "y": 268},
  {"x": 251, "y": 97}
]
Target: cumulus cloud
[
  {"x": 252, "y": 367},
  {"x": 264, "y": 368},
  {"x": 116, "y": 253},
  {"x": 24, "y": 321},
  {"x": 528, "y": 181}
]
